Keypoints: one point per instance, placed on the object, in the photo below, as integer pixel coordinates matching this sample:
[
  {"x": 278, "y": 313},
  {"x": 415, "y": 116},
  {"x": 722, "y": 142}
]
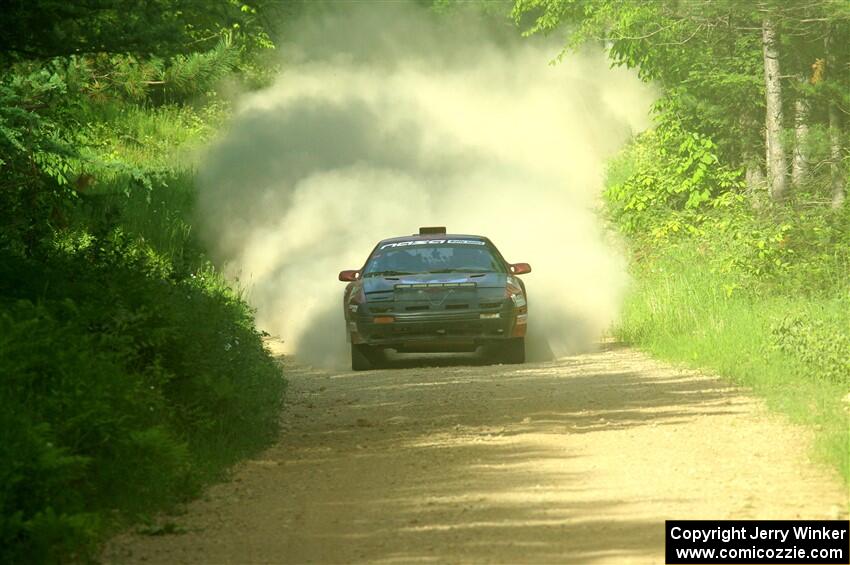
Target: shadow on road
[
  {"x": 458, "y": 462},
  {"x": 468, "y": 463}
]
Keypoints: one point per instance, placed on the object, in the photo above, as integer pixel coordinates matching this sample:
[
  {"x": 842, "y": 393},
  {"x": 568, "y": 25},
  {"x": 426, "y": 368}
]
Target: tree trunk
[
  {"x": 835, "y": 173},
  {"x": 756, "y": 186},
  {"x": 800, "y": 161},
  {"x": 754, "y": 179},
  {"x": 776, "y": 164},
  {"x": 836, "y": 178}
]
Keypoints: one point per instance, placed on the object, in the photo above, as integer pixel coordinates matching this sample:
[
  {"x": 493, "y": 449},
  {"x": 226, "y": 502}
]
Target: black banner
[{"x": 757, "y": 541}]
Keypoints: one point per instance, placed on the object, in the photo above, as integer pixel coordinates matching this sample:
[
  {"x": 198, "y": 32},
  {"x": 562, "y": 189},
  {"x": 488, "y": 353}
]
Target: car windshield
[{"x": 417, "y": 257}]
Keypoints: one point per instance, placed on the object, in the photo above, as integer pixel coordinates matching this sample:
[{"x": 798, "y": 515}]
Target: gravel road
[{"x": 578, "y": 460}]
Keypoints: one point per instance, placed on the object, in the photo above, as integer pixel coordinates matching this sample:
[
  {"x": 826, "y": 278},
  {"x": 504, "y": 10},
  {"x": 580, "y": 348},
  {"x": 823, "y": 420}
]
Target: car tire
[
  {"x": 361, "y": 358},
  {"x": 366, "y": 357},
  {"x": 512, "y": 352}
]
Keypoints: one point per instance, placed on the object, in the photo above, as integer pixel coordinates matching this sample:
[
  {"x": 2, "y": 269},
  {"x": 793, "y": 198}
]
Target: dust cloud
[{"x": 388, "y": 118}]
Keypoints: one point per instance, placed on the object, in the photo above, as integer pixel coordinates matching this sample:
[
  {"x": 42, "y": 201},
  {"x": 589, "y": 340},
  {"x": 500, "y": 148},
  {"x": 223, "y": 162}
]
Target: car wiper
[
  {"x": 441, "y": 271},
  {"x": 387, "y": 273}
]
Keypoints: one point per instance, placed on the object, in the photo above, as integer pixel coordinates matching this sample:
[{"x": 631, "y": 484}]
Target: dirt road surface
[{"x": 578, "y": 460}]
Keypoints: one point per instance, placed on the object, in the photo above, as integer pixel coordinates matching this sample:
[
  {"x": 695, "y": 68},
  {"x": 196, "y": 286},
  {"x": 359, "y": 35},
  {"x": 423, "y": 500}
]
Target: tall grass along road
[{"x": 575, "y": 461}]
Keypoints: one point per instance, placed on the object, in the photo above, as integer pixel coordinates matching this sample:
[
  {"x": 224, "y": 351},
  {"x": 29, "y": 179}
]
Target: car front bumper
[{"x": 437, "y": 331}]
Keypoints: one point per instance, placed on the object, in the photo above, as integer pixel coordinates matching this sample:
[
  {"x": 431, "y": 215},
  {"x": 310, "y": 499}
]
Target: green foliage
[
  {"x": 814, "y": 341},
  {"x": 64, "y": 128},
  {"x": 45, "y": 28},
  {"x": 675, "y": 176},
  {"x": 706, "y": 58},
  {"x": 669, "y": 188},
  {"x": 134, "y": 376},
  {"x": 198, "y": 72},
  {"x": 37, "y": 155},
  {"x": 131, "y": 372}
]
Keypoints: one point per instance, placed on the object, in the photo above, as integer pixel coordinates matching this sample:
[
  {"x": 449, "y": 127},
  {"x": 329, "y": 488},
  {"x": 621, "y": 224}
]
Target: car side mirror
[
  {"x": 349, "y": 276},
  {"x": 520, "y": 268}
]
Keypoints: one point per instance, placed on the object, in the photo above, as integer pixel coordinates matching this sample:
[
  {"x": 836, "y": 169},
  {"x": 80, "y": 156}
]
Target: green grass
[
  {"x": 680, "y": 310},
  {"x": 160, "y": 215},
  {"x": 164, "y": 137}
]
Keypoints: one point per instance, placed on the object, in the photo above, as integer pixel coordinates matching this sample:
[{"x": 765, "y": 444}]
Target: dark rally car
[{"x": 435, "y": 292}]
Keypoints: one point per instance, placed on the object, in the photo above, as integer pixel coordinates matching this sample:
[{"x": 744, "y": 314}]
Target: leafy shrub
[
  {"x": 130, "y": 373},
  {"x": 65, "y": 123},
  {"x": 668, "y": 188},
  {"x": 673, "y": 175},
  {"x": 80, "y": 432},
  {"x": 822, "y": 343},
  {"x": 127, "y": 382}
]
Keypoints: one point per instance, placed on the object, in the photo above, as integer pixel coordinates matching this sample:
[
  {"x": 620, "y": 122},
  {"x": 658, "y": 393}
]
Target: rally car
[{"x": 435, "y": 292}]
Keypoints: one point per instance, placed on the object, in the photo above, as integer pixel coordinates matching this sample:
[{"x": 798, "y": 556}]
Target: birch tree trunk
[
  {"x": 836, "y": 178},
  {"x": 800, "y": 160},
  {"x": 776, "y": 164}
]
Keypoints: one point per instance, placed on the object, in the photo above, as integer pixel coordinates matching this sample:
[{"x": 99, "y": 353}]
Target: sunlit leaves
[{"x": 674, "y": 171}]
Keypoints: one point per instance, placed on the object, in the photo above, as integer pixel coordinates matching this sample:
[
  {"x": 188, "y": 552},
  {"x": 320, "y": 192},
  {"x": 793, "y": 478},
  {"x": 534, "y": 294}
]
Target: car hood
[{"x": 481, "y": 280}]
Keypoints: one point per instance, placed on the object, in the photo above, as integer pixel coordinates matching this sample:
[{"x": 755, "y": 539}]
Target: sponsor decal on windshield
[{"x": 434, "y": 242}]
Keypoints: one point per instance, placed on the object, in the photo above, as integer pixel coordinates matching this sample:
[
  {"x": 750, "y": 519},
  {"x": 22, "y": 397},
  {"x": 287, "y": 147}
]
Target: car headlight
[
  {"x": 355, "y": 299},
  {"x": 516, "y": 295}
]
